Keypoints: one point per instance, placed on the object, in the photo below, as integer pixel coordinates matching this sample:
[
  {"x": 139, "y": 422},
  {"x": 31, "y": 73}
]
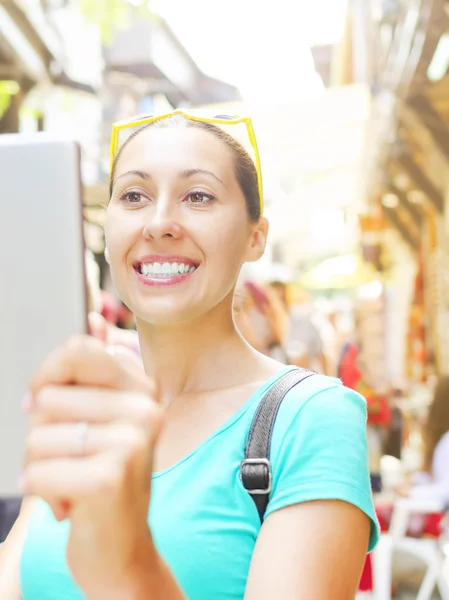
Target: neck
[{"x": 194, "y": 356}]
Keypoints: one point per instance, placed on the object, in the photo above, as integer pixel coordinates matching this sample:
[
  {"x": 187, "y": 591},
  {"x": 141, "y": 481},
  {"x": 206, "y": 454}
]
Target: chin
[{"x": 165, "y": 314}]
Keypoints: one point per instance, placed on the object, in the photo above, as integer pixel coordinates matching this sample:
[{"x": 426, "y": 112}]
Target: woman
[
  {"x": 433, "y": 482},
  {"x": 260, "y": 320},
  {"x": 430, "y": 484},
  {"x": 184, "y": 214}
]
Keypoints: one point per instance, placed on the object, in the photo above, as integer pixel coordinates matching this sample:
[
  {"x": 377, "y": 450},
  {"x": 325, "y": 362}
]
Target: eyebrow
[
  {"x": 187, "y": 173},
  {"x": 191, "y": 172},
  {"x": 141, "y": 174}
]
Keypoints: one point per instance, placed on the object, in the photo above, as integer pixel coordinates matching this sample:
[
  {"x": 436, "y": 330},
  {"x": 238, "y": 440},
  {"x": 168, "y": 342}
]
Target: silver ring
[{"x": 82, "y": 430}]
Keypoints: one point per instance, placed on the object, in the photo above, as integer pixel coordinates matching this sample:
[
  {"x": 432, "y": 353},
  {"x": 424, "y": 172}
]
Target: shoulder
[
  {"x": 319, "y": 398},
  {"x": 315, "y": 415},
  {"x": 319, "y": 449}
]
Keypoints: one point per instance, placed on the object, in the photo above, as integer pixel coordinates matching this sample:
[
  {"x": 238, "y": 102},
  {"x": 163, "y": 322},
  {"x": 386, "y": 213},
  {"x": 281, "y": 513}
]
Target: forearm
[
  {"x": 153, "y": 579},
  {"x": 148, "y": 578}
]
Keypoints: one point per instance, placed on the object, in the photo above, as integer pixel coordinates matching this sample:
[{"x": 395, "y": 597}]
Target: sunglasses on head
[{"x": 203, "y": 116}]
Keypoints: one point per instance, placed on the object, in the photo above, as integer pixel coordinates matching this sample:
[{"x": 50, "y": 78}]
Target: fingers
[
  {"x": 84, "y": 360},
  {"x": 114, "y": 422},
  {"x": 61, "y": 480},
  {"x": 61, "y": 440},
  {"x": 72, "y": 479},
  {"x": 109, "y": 393},
  {"x": 55, "y": 404}
]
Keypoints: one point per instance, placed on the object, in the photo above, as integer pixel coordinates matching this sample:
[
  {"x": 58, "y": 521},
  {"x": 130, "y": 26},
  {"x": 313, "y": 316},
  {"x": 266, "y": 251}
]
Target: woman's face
[{"x": 177, "y": 230}]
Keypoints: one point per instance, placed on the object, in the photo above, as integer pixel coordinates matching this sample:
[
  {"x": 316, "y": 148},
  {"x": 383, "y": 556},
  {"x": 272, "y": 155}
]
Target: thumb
[{"x": 134, "y": 369}]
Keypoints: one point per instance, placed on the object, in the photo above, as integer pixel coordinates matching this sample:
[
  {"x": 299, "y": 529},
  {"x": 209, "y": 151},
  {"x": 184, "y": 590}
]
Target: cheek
[
  {"x": 229, "y": 240},
  {"x": 120, "y": 234},
  {"x": 118, "y": 230}
]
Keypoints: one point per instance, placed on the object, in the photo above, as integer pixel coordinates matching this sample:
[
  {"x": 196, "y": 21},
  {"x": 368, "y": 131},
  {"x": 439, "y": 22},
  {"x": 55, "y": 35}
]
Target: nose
[{"x": 162, "y": 221}]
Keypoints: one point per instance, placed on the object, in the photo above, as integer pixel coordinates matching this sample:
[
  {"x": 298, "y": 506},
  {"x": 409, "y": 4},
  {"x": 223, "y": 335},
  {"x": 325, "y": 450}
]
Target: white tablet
[{"x": 42, "y": 275}]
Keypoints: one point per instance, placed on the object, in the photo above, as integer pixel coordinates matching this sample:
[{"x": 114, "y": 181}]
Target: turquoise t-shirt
[{"x": 204, "y": 522}]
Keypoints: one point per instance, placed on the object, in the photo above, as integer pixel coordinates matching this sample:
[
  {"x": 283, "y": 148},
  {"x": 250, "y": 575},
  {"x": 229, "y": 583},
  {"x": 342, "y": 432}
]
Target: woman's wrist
[{"x": 148, "y": 576}]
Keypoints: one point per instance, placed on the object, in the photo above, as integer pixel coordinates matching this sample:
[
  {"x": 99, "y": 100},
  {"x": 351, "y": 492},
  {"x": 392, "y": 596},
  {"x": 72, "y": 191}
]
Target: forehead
[{"x": 176, "y": 147}]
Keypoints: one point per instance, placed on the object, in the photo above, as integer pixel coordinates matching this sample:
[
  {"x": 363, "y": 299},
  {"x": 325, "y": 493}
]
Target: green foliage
[
  {"x": 112, "y": 15},
  {"x": 7, "y": 90}
]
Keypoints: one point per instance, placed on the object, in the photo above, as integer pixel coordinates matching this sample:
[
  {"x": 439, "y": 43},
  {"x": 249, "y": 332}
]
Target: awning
[
  {"x": 29, "y": 42},
  {"x": 339, "y": 273}
]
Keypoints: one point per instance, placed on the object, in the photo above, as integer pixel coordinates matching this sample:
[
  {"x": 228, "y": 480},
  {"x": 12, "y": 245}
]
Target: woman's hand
[{"x": 89, "y": 455}]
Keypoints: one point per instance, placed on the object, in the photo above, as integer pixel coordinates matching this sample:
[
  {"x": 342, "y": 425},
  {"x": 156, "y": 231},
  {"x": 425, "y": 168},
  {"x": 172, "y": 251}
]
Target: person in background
[
  {"x": 433, "y": 481},
  {"x": 303, "y": 342},
  {"x": 379, "y": 411},
  {"x": 261, "y": 319}
]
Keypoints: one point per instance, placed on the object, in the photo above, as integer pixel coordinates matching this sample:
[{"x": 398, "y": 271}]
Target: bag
[{"x": 255, "y": 468}]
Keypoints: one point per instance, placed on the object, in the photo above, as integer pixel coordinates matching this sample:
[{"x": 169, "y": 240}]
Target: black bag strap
[{"x": 255, "y": 469}]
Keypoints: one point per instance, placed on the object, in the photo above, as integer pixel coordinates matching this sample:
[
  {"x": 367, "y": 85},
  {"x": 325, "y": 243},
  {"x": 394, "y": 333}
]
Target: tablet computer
[{"x": 43, "y": 299}]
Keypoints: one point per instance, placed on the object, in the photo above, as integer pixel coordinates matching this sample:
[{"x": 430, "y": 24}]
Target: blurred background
[{"x": 350, "y": 102}]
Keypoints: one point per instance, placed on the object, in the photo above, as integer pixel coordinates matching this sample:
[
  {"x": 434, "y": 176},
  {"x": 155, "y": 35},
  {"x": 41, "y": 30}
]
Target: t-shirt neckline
[{"x": 229, "y": 422}]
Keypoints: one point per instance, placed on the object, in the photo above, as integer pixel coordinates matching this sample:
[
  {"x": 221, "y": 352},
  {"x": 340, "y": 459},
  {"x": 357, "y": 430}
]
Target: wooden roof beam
[
  {"x": 409, "y": 207},
  {"x": 433, "y": 122},
  {"x": 421, "y": 180},
  {"x": 409, "y": 239}
]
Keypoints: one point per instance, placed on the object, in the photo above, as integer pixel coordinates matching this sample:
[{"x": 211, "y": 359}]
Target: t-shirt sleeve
[{"x": 319, "y": 449}]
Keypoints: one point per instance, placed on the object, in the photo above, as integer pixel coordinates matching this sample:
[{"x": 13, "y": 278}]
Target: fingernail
[{"x": 27, "y": 402}]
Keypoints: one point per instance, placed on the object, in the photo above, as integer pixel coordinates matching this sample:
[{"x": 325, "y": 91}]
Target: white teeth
[{"x": 166, "y": 269}]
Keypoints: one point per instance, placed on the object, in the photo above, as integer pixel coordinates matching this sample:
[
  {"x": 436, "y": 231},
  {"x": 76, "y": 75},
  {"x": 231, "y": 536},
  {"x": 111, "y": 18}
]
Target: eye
[
  {"x": 199, "y": 197},
  {"x": 133, "y": 198}
]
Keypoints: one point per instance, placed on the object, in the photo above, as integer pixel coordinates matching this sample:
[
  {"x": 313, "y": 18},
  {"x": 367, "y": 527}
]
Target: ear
[
  {"x": 258, "y": 240},
  {"x": 106, "y": 255}
]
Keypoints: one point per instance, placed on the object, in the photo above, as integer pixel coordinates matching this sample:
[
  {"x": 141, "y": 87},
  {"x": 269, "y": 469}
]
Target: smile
[
  {"x": 164, "y": 273},
  {"x": 166, "y": 269}
]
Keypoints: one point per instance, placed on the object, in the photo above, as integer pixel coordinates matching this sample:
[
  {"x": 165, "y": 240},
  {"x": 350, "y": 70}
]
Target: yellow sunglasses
[{"x": 203, "y": 116}]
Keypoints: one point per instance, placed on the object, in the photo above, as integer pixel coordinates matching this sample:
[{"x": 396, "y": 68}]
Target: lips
[{"x": 164, "y": 269}]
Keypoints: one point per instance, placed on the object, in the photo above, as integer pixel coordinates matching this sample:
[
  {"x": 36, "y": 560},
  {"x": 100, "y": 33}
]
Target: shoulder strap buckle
[
  {"x": 255, "y": 474},
  {"x": 255, "y": 469}
]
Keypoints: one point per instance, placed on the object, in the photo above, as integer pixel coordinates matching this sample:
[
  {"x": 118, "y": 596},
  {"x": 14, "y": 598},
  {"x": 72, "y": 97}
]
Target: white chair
[{"x": 427, "y": 550}]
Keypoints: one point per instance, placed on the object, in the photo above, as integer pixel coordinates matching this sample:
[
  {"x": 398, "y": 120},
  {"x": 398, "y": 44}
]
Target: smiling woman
[{"x": 184, "y": 215}]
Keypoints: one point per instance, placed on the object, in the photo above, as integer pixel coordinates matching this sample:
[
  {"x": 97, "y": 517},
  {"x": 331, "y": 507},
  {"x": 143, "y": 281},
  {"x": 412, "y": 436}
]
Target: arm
[
  {"x": 150, "y": 578},
  {"x": 11, "y": 551},
  {"x": 313, "y": 550},
  {"x": 315, "y": 537}
]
